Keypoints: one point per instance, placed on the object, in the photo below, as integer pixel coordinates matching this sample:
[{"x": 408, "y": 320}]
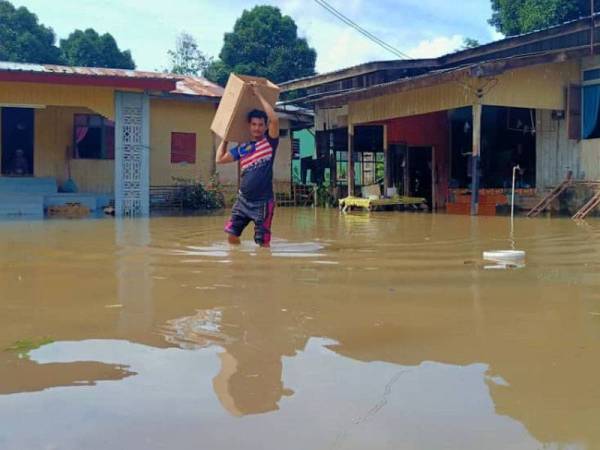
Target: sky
[{"x": 420, "y": 28}]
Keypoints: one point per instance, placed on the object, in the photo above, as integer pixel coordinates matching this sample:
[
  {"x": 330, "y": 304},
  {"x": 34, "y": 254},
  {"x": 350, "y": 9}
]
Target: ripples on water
[{"x": 352, "y": 331}]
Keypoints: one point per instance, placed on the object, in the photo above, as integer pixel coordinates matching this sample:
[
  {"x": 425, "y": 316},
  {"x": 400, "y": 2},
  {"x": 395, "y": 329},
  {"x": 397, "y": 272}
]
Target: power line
[{"x": 361, "y": 30}]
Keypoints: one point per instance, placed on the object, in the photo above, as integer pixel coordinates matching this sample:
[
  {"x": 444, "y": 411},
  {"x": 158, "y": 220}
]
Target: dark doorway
[
  {"x": 17, "y": 141},
  {"x": 420, "y": 173},
  {"x": 508, "y": 139},
  {"x": 396, "y": 165},
  {"x": 461, "y": 151}
]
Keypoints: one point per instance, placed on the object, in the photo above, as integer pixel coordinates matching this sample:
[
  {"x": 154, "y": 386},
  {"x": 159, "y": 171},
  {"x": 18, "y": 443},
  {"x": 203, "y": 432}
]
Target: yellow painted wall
[
  {"x": 167, "y": 116},
  {"x": 282, "y": 169},
  {"x": 53, "y": 133},
  {"x": 99, "y": 99},
  {"x": 540, "y": 86},
  {"x": 54, "y": 128}
]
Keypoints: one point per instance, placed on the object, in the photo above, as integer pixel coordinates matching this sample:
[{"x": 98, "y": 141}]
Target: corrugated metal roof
[
  {"x": 85, "y": 71},
  {"x": 453, "y": 59},
  {"x": 369, "y": 67},
  {"x": 198, "y": 86},
  {"x": 449, "y": 74},
  {"x": 186, "y": 85}
]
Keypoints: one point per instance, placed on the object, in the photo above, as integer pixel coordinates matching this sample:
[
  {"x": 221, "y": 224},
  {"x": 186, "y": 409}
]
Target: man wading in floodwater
[{"x": 255, "y": 200}]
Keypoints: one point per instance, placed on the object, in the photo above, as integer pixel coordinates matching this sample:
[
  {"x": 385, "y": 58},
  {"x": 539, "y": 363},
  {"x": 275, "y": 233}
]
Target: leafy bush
[
  {"x": 324, "y": 196},
  {"x": 197, "y": 197}
]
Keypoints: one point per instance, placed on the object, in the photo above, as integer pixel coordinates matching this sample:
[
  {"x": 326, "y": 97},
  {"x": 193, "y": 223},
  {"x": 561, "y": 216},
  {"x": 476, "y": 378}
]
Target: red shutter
[
  {"x": 574, "y": 111},
  {"x": 183, "y": 148}
]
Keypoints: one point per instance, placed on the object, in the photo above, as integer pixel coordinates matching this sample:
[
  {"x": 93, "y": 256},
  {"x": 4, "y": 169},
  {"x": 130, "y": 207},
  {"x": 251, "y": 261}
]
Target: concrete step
[
  {"x": 21, "y": 206},
  {"x": 28, "y": 185}
]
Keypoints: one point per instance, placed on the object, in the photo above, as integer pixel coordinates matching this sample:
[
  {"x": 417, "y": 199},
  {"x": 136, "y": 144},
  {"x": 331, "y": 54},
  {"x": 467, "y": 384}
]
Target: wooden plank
[
  {"x": 350, "y": 170},
  {"x": 386, "y": 163},
  {"x": 574, "y": 112},
  {"x": 477, "y": 110},
  {"x": 588, "y": 207},
  {"x": 433, "y": 181},
  {"x": 362, "y": 69},
  {"x": 547, "y": 200},
  {"x": 514, "y": 43}
]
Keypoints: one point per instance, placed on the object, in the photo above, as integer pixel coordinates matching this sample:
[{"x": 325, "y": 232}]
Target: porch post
[
  {"x": 332, "y": 155},
  {"x": 476, "y": 157},
  {"x": 132, "y": 154},
  {"x": 350, "y": 171},
  {"x": 386, "y": 163}
]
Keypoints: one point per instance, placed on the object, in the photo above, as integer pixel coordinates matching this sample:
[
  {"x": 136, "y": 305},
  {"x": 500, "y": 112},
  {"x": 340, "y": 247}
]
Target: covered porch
[
  {"x": 454, "y": 137},
  {"x": 71, "y": 135}
]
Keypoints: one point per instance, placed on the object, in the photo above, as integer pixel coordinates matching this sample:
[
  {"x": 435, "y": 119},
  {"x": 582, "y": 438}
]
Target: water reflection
[
  {"x": 371, "y": 332},
  {"x": 254, "y": 340},
  {"x": 21, "y": 374}
]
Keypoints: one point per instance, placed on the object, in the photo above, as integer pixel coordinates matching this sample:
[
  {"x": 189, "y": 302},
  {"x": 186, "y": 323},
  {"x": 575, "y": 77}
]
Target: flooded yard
[{"x": 381, "y": 331}]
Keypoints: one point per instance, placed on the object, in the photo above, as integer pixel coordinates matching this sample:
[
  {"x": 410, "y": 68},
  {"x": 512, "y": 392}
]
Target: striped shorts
[{"x": 245, "y": 211}]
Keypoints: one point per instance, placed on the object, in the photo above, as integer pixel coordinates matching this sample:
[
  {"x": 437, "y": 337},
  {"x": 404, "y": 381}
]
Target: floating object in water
[
  {"x": 505, "y": 256},
  {"x": 503, "y": 266},
  {"x": 505, "y": 259}
]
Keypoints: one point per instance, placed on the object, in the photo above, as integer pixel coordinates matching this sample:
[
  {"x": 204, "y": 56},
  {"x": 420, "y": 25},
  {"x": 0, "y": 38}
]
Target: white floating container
[{"x": 505, "y": 256}]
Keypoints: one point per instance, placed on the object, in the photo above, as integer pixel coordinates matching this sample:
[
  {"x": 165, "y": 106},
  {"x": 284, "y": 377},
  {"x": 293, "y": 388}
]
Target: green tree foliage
[
  {"x": 187, "y": 59},
  {"x": 24, "y": 39},
  {"x": 264, "y": 43},
  {"x": 218, "y": 72},
  {"x": 89, "y": 49},
  {"x": 470, "y": 43},
  {"x": 512, "y": 17}
]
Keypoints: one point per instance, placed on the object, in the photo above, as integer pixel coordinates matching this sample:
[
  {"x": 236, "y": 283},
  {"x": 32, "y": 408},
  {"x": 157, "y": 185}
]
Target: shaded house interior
[{"x": 430, "y": 155}]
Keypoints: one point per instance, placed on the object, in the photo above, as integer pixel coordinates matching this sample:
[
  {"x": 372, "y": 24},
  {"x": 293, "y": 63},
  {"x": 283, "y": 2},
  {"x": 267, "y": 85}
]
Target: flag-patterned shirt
[{"x": 256, "y": 164}]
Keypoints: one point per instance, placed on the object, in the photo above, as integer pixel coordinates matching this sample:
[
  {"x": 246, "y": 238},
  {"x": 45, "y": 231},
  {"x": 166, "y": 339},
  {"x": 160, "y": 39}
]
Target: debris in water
[{"x": 505, "y": 259}]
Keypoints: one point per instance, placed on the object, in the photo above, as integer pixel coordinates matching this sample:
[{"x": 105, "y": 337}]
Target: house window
[
  {"x": 93, "y": 137},
  {"x": 592, "y": 75},
  {"x": 183, "y": 148},
  {"x": 591, "y": 104}
]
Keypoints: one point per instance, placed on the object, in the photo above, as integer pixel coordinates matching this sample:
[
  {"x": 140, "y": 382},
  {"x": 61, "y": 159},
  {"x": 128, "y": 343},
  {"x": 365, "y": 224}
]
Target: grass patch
[{"x": 24, "y": 346}]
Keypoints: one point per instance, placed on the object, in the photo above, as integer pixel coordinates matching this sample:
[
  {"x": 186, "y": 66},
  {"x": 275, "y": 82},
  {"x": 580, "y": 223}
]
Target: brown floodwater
[{"x": 380, "y": 331}]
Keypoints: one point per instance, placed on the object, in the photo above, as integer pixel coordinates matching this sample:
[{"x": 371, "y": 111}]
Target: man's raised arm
[
  {"x": 271, "y": 114},
  {"x": 223, "y": 156}
]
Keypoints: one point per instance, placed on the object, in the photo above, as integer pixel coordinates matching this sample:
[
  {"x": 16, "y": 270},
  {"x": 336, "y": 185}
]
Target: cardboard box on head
[{"x": 231, "y": 121}]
